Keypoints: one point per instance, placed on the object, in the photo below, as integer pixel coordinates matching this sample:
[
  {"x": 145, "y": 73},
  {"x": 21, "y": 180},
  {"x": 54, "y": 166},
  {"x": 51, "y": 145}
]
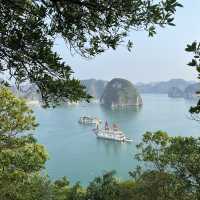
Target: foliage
[
  {"x": 29, "y": 28},
  {"x": 195, "y": 49},
  {"x": 120, "y": 92},
  {"x": 32, "y": 187},
  {"x": 15, "y": 116},
  {"x": 103, "y": 188},
  {"x": 21, "y": 158},
  {"x": 174, "y": 165},
  {"x": 173, "y": 172},
  {"x": 127, "y": 190}
]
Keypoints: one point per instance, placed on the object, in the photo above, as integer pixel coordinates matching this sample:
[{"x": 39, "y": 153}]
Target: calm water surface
[{"x": 75, "y": 152}]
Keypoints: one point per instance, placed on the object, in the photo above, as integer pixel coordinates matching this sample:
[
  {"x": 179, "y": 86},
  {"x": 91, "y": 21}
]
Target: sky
[{"x": 152, "y": 59}]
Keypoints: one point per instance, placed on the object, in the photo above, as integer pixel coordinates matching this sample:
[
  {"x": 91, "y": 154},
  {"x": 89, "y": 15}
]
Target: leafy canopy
[
  {"x": 194, "y": 48},
  {"x": 28, "y": 29},
  {"x": 172, "y": 165},
  {"x": 173, "y": 170},
  {"x": 21, "y": 157},
  {"x": 15, "y": 115}
]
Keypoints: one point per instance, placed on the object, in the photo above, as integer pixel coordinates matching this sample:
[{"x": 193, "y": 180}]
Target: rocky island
[
  {"x": 189, "y": 93},
  {"x": 175, "y": 92},
  {"x": 94, "y": 87},
  {"x": 120, "y": 93},
  {"x": 163, "y": 87}
]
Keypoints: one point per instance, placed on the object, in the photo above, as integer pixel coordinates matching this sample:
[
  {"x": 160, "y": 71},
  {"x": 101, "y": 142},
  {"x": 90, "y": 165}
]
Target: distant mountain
[
  {"x": 94, "y": 87},
  {"x": 163, "y": 87},
  {"x": 174, "y": 88},
  {"x": 191, "y": 90},
  {"x": 119, "y": 93},
  {"x": 175, "y": 92},
  {"x": 27, "y": 91}
]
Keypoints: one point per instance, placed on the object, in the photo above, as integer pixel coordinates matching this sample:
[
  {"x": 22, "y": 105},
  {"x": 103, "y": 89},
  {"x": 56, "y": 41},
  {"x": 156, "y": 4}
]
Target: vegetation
[
  {"x": 172, "y": 169},
  {"x": 15, "y": 116},
  {"x": 171, "y": 173},
  {"x": 195, "y": 49},
  {"x": 120, "y": 92},
  {"x": 21, "y": 157},
  {"x": 174, "y": 165},
  {"x": 29, "y": 28}
]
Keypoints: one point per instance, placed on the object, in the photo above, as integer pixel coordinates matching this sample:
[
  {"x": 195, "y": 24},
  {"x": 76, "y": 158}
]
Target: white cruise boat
[
  {"x": 111, "y": 133},
  {"x": 89, "y": 120}
]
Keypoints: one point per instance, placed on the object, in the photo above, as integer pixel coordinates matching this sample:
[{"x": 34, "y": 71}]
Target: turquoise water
[{"x": 75, "y": 152}]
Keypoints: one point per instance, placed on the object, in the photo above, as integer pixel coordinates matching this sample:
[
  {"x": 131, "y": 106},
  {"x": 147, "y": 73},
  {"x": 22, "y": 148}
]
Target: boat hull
[
  {"x": 107, "y": 136},
  {"x": 89, "y": 121}
]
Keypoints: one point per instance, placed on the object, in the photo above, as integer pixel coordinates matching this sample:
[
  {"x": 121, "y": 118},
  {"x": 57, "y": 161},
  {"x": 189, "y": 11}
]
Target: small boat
[
  {"x": 89, "y": 120},
  {"x": 111, "y": 133}
]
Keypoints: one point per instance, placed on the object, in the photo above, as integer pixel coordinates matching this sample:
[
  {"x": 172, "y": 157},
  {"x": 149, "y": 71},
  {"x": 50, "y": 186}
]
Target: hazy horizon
[
  {"x": 140, "y": 81},
  {"x": 152, "y": 59}
]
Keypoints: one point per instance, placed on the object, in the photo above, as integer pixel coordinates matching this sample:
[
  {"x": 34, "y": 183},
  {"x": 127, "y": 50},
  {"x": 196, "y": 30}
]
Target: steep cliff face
[
  {"x": 175, "y": 92},
  {"x": 120, "y": 92},
  {"x": 163, "y": 87},
  {"x": 94, "y": 87},
  {"x": 28, "y": 91},
  {"x": 191, "y": 91}
]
